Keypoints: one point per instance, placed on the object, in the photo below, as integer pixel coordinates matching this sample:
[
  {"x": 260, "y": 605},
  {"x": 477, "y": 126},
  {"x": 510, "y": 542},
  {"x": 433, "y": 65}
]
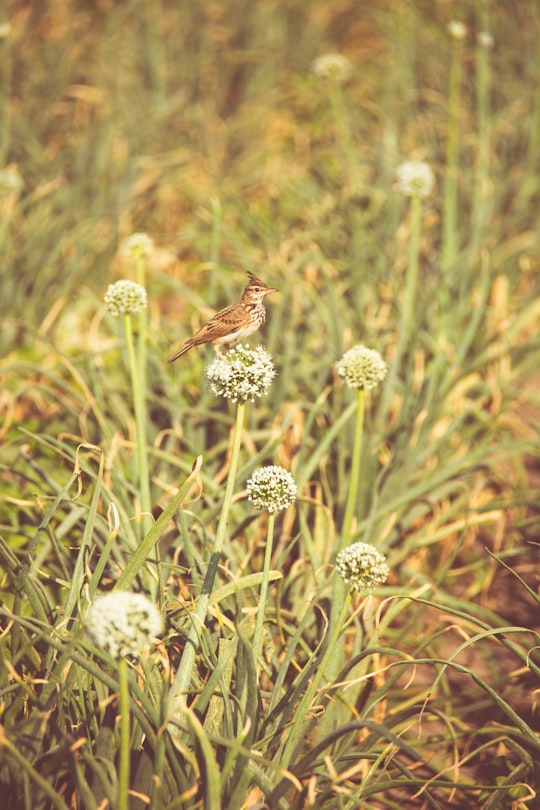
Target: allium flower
[
  {"x": 333, "y": 68},
  {"x": 138, "y": 245},
  {"x": 362, "y": 367},
  {"x": 414, "y": 179},
  {"x": 485, "y": 40},
  {"x": 11, "y": 182},
  {"x": 362, "y": 566},
  {"x": 457, "y": 29},
  {"x": 123, "y": 623},
  {"x": 243, "y": 375},
  {"x": 125, "y": 297},
  {"x": 272, "y": 488}
]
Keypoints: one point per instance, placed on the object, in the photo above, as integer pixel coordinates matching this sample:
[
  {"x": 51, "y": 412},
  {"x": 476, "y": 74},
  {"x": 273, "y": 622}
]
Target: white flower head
[
  {"x": 272, "y": 488},
  {"x": 123, "y": 623},
  {"x": 333, "y": 68},
  {"x": 485, "y": 40},
  {"x": 138, "y": 245},
  {"x": 457, "y": 29},
  {"x": 124, "y": 297},
  {"x": 243, "y": 376},
  {"x": 361, "y": 367},
  {"x": 414, "y": 179},
  {"x": 11, "y": 182},
  {"x": 362, "y": 567}
]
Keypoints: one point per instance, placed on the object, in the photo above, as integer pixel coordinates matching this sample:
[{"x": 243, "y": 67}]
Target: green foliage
[{"x": 205, "y": 126}]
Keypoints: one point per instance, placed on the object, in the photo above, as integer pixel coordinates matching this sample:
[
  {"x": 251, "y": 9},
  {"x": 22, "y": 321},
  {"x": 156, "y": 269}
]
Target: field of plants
[{"x": 302, "y": 573}]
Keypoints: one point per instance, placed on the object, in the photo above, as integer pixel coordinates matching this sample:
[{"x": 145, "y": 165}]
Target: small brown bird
[{"x": 233, "y": 323}]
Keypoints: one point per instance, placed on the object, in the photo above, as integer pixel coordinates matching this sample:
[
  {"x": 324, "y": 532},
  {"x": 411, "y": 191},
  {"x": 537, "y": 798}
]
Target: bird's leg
[{"x": 217, "y": 349}]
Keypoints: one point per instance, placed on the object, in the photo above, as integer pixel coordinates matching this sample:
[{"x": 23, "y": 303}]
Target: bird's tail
[{"x": 189, "y": 344}]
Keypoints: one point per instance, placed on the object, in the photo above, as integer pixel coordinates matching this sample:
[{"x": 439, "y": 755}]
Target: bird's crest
[{"x": 255, "y": 281}]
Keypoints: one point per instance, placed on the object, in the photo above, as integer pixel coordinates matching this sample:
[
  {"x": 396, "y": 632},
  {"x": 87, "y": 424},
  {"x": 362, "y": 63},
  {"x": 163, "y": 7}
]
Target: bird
[{"x": 237, "y": 321}]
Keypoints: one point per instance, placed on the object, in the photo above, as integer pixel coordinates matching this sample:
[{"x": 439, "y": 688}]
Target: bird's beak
[{"x": 271, "y": 289}]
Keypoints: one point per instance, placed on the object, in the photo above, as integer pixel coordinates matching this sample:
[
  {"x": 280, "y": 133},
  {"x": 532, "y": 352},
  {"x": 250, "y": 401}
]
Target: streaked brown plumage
[{"x": 233, "y": 323}]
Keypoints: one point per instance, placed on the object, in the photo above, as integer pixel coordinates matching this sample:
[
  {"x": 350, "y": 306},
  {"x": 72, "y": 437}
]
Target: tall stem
[
  {"x": 356, "y": 462},
  {"x": 143, "y": 327},
  {"x": 409, "y": 304},
  {"x": 6, "y": 62},
  {"x": 482, "y": 197},
  {"x": 123, "y": 770},
  {"x": 259, "y": 622},
  {"x": 139, "y": 399},
  {"x": 449, "y": 249},
  {"x": 183, "y": 675},
  {"x": 339, "y": 587}
]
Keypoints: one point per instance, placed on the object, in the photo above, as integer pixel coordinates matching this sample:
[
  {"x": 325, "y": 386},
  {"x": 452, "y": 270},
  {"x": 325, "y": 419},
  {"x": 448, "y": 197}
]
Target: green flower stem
[
  {"x": 339, "y": 108},
  {"x": 356, "y": 462},
  {"x": 481, "y": 197},
  {"x": 182, "y": 679},
  {"x": 143, "y": 329},
  {"x": 408, "y": 312},
  {"x": 6, "y": 61},
  {"x": 341, "y": 116},
  {"x": 339, "y": 587},
  {"x": 411, "y": 283},
  {"x": 258, "y": 633},
  {"x": 139, "y": 400},
  {"x": 450, "y": 200},
  {"x": 122, "y": 801}
]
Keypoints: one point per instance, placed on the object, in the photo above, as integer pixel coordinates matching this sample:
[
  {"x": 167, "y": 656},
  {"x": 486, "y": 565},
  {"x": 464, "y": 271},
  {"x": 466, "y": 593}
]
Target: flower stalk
[
  {"x": 139, "y": 246},
  {"x": 122, "y": 800},
  {"x": 449, "y": 249},
  {"x": 127, "y": 298},
  {"x": 356, "y": 463},
  {"x": 362, "y": 369},
  {"x": 359, "y": 567},
  {"x": 272, "y": 488},
  {"x": 259, "y": 621},
  {"x": 123, "y": 624},
  {"x": 334, "y": 70},
  {"x": 243, "y": 376},
  {"x": 139, "y": 398},
  {"x": 417, "y": 185}
]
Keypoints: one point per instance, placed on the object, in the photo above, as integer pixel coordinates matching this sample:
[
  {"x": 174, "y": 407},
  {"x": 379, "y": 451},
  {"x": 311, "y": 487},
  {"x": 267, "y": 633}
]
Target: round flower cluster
[
  {"x": 333, "y": 68},
  {"x": 414, "y": 179},
  {"x": 124, "y": 297},
  {"x": 11, "y": 182},
  {"x": 138, "y": 245},
  {"x": 243, "y": 375},
  {"x": 457, "y": 29},
  {"x": 123, "y": 623},
  {"x": 272, "y": 488},
  {"x": 362, "y": 367},
  {"x": 362, "y": 566},
  {"x": 485, "y": 40}
]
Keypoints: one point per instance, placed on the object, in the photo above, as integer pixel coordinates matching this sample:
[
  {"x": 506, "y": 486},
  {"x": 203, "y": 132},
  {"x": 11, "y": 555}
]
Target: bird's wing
[{"x": 226, "y": 321}]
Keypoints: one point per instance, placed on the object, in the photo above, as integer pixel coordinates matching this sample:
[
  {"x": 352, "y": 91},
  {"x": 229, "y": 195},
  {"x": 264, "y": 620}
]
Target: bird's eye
[{"x": 257, "y": 289}]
